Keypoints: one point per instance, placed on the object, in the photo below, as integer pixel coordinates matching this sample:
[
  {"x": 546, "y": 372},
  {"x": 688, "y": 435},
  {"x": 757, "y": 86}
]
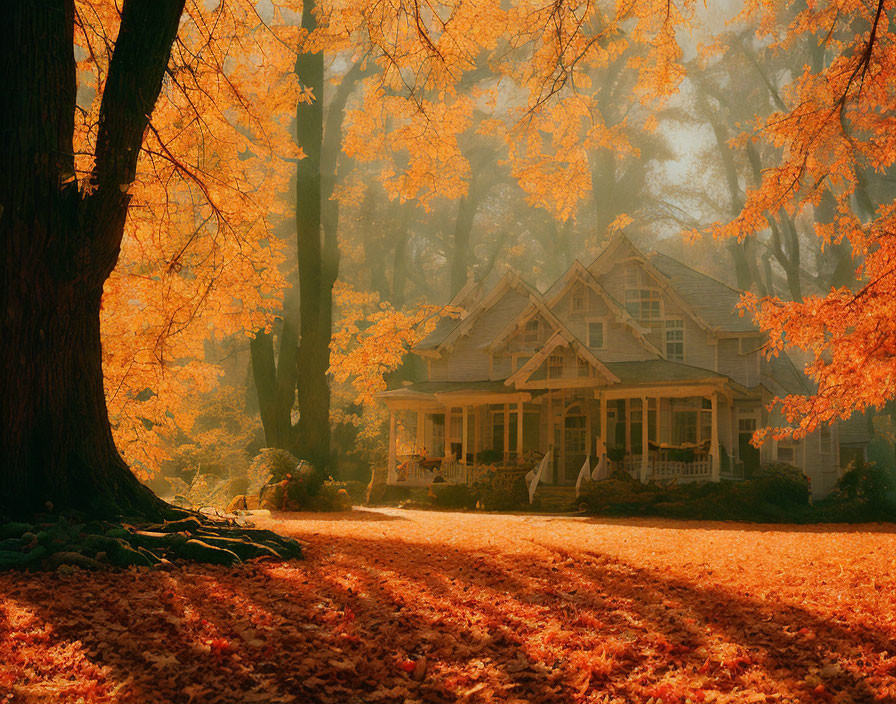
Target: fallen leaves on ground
[{"x": 426, "y": 607}]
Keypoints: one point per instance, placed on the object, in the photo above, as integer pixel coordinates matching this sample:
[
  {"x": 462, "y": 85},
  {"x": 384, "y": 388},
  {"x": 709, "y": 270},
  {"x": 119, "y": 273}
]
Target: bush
[
  {"x": 489, "y": 456},
  {"x": 780, "y": 484},
  {"x": 452, "y": 496},
  {"x": 616, "y": 496},
  {"x": 501, "y": 491},
  {"x": 356, "y": 490},
  {"x": 866, "y": 483},
  {"x": 272, "y": 465},
  {"x": 678, "y": 454},
  {"x": 616, "y": 454},
  {"x": 721, "y": 501},
  {"x": 331, "y": 496}
]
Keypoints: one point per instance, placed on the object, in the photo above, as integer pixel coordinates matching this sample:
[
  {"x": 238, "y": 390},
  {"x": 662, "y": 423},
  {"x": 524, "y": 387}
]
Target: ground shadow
[{"x": 549, "y": 626}]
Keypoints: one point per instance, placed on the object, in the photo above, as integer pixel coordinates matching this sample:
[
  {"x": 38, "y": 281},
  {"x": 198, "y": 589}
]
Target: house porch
[{"x": 448, "y": 432}]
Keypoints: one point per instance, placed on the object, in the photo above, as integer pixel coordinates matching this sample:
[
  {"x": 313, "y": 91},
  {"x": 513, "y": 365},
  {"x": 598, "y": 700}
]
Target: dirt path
[{"x": 414, "y": 606}]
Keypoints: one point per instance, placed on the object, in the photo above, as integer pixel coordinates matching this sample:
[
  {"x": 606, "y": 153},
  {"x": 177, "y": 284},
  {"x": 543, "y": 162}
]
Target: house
[{"x": 636, "y": 361}]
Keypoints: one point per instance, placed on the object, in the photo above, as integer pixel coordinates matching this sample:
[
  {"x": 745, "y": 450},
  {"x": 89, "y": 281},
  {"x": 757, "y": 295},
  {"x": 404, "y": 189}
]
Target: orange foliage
[
  {"x": 199, "y": 261},
  {"x": 446, "y": 607},
  {"x": 835, "y": 135}
]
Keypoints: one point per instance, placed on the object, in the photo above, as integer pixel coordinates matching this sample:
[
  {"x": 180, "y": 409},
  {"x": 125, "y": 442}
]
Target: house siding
[{"x": 468, "y": 361}]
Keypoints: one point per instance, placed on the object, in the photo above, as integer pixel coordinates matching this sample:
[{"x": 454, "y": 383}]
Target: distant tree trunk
[
  {"x": 58, "y": 247},
  {"x": 317, "y": 268},
  {"x": 275, "y": 376}
]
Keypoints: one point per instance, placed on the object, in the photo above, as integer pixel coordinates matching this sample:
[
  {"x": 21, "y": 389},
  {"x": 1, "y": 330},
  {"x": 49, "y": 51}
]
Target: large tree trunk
[
  {"x": 56, "y": 250},
  {"x": 315, "y": 281}
]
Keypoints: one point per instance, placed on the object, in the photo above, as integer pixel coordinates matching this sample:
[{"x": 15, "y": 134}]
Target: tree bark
[
  {"x": 56, "y": 250},
  {"x": 316, "y": 277}
]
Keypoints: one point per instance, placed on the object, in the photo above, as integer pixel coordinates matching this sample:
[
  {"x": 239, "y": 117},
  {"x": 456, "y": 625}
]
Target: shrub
[
  {"x": 616, "y": 496},
  {"x": 330, "y": 496},
  {"x": 272, "y": 465},
  {"x": 501, "y": 491},
  {"x": 866, "y": 483},
  {"x": 489, "y": 456},
  {"x": 452, "y": 496},
  {"x": 356, "y": 490},
  {"x": 780, "y": 484},
  {"x": 616, "y": 454}
]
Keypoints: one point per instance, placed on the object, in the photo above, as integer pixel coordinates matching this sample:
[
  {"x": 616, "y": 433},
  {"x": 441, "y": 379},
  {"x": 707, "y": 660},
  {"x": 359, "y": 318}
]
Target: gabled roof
[
  {"x": 712, "y": 304},
  {"x": 561, "y": 338},
  {"x": 578, "y": 273},
  {"x": 784, "y": 376},
  {"x": 445, "y": 335},
  {"x": 714, "y": 301}
]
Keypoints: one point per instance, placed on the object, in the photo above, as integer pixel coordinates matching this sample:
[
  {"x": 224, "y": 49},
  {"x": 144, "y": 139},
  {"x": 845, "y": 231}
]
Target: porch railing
[
  {"x": 409, "y": 472},
  {"x": 700, "y": 468}
]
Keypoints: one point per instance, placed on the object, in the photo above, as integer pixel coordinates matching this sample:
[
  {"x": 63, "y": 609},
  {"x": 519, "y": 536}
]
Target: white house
[{"x": 636, "y": 359}]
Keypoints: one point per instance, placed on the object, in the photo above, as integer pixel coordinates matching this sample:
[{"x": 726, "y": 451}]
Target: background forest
[{"x": 429, "y": 145}]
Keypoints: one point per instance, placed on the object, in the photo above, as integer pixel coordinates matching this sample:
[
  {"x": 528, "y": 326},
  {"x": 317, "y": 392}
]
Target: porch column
[
  {"x": 421, "y": 427},
  {"x": 448, "y": 432},
  {"x": 644, "y": 435},
  {"x": 519, "y": 429},
  {"x": 506, "y": 430},
  {"x": 628, "y": 426},
  {"x": 477, "y": 432},
  {"x": 604, "y": 433},
  {"x": 391, "y": 468},
  {"x": 463, "y": 433},
  {"x": 714, "y": 441}
]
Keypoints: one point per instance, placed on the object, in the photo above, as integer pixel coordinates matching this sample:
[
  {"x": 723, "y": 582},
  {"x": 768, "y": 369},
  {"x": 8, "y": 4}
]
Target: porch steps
[{"x": 555, "y": 499}]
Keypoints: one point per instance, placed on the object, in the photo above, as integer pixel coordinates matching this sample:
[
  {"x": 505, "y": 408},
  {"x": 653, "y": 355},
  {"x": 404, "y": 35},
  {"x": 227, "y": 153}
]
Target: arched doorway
[{"x": 575, "y": 441}]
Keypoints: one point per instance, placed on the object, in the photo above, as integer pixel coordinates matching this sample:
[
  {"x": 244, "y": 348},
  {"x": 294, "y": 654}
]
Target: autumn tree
[
  {"x": 836, "y": 143},
  {"x": 59, "y": 245}
]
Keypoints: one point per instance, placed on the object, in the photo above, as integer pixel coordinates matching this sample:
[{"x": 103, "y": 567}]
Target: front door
[{"x": 575, "y": 444}]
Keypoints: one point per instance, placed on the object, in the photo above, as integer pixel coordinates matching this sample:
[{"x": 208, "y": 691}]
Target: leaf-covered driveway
[{"x": 406, "y": 606}]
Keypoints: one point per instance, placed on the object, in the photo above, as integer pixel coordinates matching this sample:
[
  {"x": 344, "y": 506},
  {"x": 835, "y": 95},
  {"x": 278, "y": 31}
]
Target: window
[
  {"x": 555, "y": 366},
  {"x": 584, "y": 369},
  {"x": 530, "y": 336},
  {"x": 786, "y": 451},
  {"x": 596, "y": 334},
  {"x": 577, "y": 303},
  {"x": 675, "y": 340},
  {"x": 684, "y": 428},
  {"x": 643, "y": 303},
  {"x": 746, "y": 425}
]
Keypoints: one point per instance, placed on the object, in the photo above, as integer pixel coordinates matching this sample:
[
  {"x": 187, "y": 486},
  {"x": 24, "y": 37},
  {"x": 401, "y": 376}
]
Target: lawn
[{"x": 416, "y": 606}]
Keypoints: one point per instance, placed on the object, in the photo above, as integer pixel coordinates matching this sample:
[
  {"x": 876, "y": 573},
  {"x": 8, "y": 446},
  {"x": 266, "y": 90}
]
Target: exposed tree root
[{"x": 56, "y": 541}]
